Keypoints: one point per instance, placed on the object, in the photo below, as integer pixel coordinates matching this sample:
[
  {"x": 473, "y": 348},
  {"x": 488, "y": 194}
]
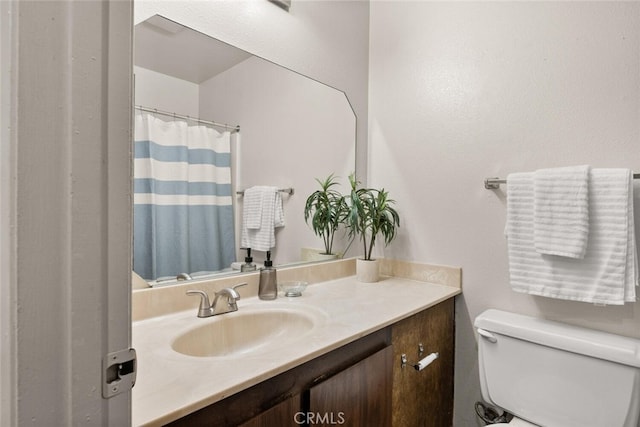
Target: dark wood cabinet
[
  {"x": 287, "y": 392},
  {"x": 286, "y": 413},
  {"x": 359, "y": 384},
  {"x": 358, "y": 396},
  {"x": 424, "y": 398}
]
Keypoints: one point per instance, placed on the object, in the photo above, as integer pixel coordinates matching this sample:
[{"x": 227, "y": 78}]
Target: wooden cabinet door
[
  {"x": 424, "y": 398},
  {"x": 358, "y": 396},
  {"x": 284, "y": 414}
]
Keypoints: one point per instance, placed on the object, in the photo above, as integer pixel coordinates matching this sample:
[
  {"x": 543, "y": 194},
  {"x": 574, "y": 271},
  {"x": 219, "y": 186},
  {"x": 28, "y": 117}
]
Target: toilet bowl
[{"x": 552, "y": 374}]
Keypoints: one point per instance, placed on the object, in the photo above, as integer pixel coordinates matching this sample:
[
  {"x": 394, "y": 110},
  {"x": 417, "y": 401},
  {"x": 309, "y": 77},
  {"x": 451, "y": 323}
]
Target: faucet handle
[
  {"x": 231, "y": 293},
  {"x": 232, "y": 296},
  {"x": 237, "y": 286},
  {"x": 205, "y": 306}
]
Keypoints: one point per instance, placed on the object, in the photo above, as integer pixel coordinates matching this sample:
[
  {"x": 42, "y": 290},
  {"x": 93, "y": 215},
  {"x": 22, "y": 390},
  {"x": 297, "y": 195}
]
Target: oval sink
[{"x": 243, "y": 332}]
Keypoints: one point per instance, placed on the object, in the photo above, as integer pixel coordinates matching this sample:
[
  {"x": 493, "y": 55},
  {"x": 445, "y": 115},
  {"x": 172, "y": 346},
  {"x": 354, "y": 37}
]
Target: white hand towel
[
  {"x": 608, "y": 273},
  {"x": 252, "y": 208},
  {"x": 561, "y": 211},
  {"x": 262, "y": 238},
  {"x": 278, "y": 220}
]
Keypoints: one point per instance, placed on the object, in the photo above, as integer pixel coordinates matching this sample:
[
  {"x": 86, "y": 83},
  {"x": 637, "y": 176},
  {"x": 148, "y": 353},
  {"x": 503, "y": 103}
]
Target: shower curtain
[{"x": 183, "y": 213}]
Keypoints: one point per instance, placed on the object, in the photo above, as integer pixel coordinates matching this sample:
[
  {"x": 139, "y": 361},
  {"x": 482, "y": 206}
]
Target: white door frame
[
  {"x": 66, "y": 209},
  {"x": 7, "y": 311}
]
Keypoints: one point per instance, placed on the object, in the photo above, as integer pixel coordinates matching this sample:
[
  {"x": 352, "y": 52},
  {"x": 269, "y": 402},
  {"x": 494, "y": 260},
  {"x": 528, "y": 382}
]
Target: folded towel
[
  {"x": 271, "y": 215},
  {"x": 561, "y": 211},
  {"x": 278, "y": 219},
  {"x": 252, "y": 208},
  {"x": 608, "y": 272}
]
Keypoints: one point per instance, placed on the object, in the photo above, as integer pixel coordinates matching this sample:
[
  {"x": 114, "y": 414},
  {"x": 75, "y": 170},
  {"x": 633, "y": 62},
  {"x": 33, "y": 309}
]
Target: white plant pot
[
  {"x": 314, "y": 254},
  {"x": 322, "y": 257},
  {"x": 367, "y": 271}
]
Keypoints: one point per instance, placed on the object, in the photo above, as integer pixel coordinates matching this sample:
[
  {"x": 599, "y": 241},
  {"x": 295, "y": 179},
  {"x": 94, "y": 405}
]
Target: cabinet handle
[{"x": 422, "y": 363}]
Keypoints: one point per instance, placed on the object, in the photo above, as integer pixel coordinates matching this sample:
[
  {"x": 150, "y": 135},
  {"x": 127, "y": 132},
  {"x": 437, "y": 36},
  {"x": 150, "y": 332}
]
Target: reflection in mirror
[{"x": 293, "y": 129}]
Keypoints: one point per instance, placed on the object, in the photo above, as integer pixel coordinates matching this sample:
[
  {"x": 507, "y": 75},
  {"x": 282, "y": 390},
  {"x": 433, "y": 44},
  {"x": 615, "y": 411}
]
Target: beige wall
[{"x": 460, "y": 91}]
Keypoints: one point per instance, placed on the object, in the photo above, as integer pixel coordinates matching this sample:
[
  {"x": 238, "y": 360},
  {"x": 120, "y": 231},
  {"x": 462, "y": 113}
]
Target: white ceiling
[{"x": 169, "y": 48}]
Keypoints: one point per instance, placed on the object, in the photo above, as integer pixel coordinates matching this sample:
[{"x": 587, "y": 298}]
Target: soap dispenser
[
  {"x": 248, "y": 262},
  {"x": 268, "y": 285}
]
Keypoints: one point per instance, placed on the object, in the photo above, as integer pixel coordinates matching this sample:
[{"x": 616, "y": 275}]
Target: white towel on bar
[
  {"x": 252, "y": 208},
  {"x": 608, "y": 274},
  {"x": 261, "y": 218},
  {"x": 561, "y": 211}
]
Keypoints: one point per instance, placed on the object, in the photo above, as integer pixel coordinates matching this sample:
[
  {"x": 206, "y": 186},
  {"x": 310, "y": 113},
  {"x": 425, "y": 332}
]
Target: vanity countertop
[{"x": 171, "y": 385}]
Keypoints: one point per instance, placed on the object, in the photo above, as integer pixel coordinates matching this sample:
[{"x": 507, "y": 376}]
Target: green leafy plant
[
  {"x": 370, "y": 213},
  {"x": 325, "y": 209}
]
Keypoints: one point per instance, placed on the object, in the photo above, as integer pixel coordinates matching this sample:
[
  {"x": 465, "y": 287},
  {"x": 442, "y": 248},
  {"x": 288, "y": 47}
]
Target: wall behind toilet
[{"x": 461, "y": 91}]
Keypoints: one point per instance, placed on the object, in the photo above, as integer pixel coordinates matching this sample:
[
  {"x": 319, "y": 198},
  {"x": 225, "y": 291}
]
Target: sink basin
[{"x": 244, "y": 331}]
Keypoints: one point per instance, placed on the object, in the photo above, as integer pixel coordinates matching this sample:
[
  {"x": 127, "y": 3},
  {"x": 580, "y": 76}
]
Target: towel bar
[
  {"x": 288, "y": 191},
  {"x": 494, "y": 183}
]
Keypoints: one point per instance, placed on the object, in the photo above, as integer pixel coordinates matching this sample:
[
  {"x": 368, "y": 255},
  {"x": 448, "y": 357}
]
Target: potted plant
[
  {"x": 324, "y": 211},
  {"x": 370, "y": 214}
]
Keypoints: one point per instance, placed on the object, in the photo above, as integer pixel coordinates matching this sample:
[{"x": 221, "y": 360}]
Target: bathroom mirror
[{"x": 293, "y": 129}]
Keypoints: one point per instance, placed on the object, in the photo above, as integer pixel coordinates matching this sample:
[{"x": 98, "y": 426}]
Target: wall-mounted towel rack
[
  {"x": 288, "y": 191},
  {"x": 494, "y": 183}
]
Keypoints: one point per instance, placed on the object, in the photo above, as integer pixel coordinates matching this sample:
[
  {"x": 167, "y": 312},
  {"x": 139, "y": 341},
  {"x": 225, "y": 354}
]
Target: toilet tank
[{"x": 558, "y": 375}]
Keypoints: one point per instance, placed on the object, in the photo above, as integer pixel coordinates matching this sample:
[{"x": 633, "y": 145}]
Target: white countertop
[{"x": 170, "y": 385}]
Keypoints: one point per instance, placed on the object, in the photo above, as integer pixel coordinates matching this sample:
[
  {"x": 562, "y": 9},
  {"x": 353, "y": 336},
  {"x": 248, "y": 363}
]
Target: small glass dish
[{"x": 293, "y": 288}]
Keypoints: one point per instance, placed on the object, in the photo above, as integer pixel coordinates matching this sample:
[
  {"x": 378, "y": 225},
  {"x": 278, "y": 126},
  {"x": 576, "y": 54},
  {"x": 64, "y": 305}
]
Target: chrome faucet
[
  {"x": 207, "y": 310},
  {"x": 183, "y": 276}
]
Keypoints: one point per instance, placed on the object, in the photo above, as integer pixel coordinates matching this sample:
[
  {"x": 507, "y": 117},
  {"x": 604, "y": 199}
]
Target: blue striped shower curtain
[{"x": 183, "y": 213}]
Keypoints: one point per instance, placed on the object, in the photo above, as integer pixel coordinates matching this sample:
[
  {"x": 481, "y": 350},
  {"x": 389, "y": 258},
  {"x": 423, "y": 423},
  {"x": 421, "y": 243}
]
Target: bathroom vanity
[{"x": 335, "y": 359}]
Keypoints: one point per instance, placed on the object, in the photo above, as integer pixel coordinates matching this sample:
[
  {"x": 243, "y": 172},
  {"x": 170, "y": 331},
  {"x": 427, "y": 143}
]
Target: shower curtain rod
[{"x": 183, "y": 117}]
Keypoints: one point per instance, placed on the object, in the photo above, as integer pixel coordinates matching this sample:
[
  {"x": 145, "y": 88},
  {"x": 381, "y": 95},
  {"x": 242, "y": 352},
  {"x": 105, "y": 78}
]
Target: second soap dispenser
[
  {"x": 248, "y": 262},
  {"x": 268, "y": 284}
]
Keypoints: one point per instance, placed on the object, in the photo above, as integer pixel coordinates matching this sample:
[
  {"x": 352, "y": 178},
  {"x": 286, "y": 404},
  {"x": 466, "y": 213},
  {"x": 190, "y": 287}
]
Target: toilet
[{"x": 551, "y": 374}]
